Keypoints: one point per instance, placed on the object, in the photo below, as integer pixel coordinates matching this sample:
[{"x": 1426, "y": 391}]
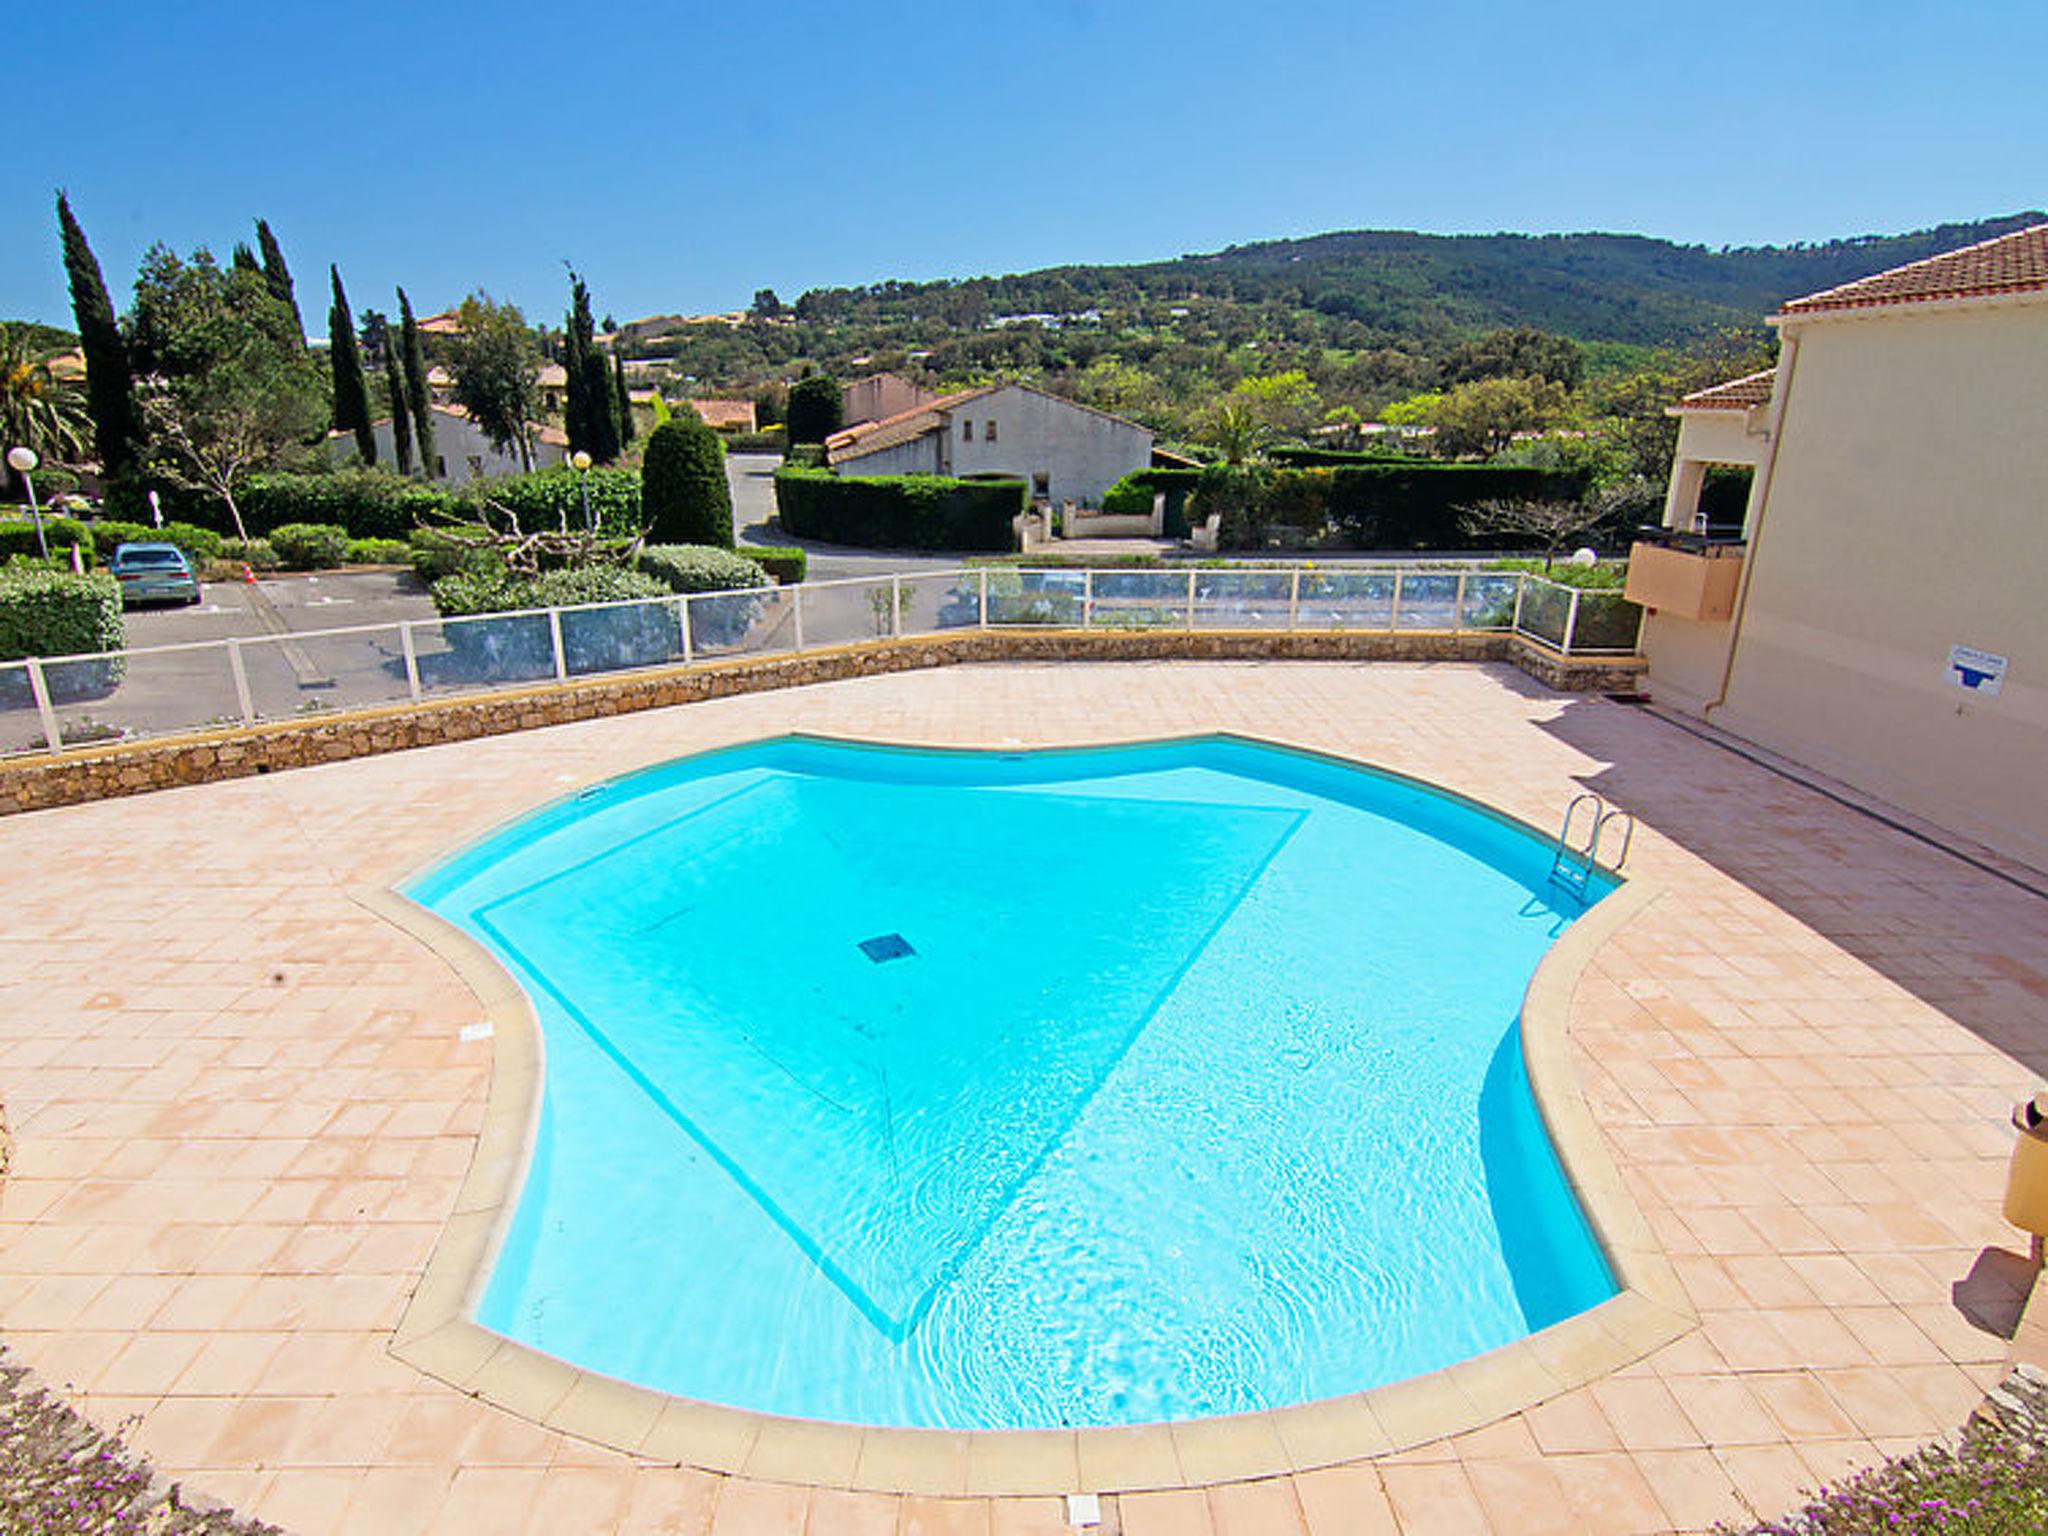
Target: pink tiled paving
[{"x": 241, "y": 1108}]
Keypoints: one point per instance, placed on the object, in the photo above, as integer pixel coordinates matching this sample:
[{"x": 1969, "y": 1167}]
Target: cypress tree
[
  {"x": 625, "y": 401},
  {"x": 601, "y": 406},
  {"x": 416, "y": 385},
  {"x": 109, "y": 391},
  {"x": 401, "y": 411},
  {"x": 576, "y": 334},
  {"x": 245, "y": 259},
  {"x": 684, "y": 495},
  {"x": 351, "y": 395},
  {"x": 279, "y": 276}
]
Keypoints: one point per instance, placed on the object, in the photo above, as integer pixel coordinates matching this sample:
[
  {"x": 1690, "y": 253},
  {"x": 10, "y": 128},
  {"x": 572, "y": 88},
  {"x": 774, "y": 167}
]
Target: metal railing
[{"x": 51, "y": 703}]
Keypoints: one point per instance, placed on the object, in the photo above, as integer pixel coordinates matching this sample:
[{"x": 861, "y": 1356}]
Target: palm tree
[
  {"x": 38, "y": 410},
  {"x": 1236, "y": 428}
]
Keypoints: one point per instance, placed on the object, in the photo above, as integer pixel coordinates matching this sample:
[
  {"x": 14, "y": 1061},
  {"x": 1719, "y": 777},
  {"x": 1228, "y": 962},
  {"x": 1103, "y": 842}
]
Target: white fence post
[
  {"x": 1088, "y": 598},
  {"x": 555, "y": 637},
  {"x": 983, "y": 622},
  {"x": 796, "y": 596},
  {"x": 1571, "y": 622},
  {"x": 241, "y": 674},
  {"x": 895, "y": 606},
  {"x": 412, "y": 659},
  {"x": 1191, "y": 597},
  {"x": 1458, "y": 613},
  {"x": 1521, "y": 586},
  {"x": 683, "y": 622},
  {"x": 1294, "y": 600},
  {"x": 53, "y": 737},
  {"x": 1394, "y": 614}
]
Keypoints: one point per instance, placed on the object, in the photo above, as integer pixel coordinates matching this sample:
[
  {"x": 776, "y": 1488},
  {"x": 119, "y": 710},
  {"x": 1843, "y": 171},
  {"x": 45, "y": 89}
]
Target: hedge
[
  {"x": 57, "y": 613},
  {"x": 309, "y": 546},
  {"x": 1389, "y": 505},
  {"x": 684, "y": 492},
  {"x": 1127, "y": 498},
  {"x": 700, "y": 568},
  {"x": 548, "y": 498},
  {"x": 378, "y": 552},
  {"x": 899, "y": 511},
  {"x": 769, "y": 440},
  {"x": 18, "y": 537},
  {"x": 785, "y": 562}
]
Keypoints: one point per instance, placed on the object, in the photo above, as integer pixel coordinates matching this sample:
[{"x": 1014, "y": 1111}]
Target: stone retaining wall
[{"x": 89, "y": 773}]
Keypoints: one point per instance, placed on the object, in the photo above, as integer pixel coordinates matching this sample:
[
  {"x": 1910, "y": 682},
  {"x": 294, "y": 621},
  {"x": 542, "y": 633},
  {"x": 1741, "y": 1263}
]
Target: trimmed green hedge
[
  {"x": 785, "y": 562},
  {"x": 378, "y": 552},
  {"x": 1127, "y": 498},
  {"x": 549, "y": 497},
  {"x": 899, "y": 511},
  {"x": 1390, "y": 505},
  {"x": 700, "y": 568},
  {"x": 309, "y": 546},
  {"x": 18, "y": 537},
  {"x": 57, "y": 613}
]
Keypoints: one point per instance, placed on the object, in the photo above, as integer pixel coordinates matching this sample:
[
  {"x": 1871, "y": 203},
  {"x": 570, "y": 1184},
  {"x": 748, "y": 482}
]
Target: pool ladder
[{"x": 1572, "y": 864}]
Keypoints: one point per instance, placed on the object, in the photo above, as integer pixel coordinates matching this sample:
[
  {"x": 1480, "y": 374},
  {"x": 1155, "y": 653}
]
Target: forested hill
[{"x": 1595, "y": 287}]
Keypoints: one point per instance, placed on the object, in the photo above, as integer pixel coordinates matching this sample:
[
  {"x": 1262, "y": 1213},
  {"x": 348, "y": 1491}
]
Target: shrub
[
  {"x": 785, "y": 562},
  {"x": 701, "y": 568},
  {"x": 768, "y": 440},
  {"x": 18, "y": 537},
  {"x": 378, "y": 552},
  {"x": 597, "y": 640},
  {"x": 816, "y": 408},
  {"x": 685, "y": 497},
  {"x": 109, "y": 536},
  {"x": 57, "y": 613},
  {"x": 257, "y": 554},
  {"x": 553, "y": 498},
  {"x": 1128, "y": 498},
  {"x": 309, "y": 546},
  {"x": 202, "y": 544},
  {"x": 368, "y": 503},
  {"x": 899, "y": 511}
]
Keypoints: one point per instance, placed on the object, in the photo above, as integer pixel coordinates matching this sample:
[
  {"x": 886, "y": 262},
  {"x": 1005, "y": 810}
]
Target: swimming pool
[{"x": 1003, "y": 1090}]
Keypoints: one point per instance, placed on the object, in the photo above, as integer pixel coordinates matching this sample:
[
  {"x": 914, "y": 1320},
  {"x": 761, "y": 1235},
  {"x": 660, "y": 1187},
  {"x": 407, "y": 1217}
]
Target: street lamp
[
  {"x": 580, "y": 461},
  {"x": 24, "y": 461}
]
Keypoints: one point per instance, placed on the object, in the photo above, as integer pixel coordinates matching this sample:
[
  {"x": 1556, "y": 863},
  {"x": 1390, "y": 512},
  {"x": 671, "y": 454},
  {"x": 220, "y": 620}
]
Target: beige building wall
[{"x": 1907, "y": 511}]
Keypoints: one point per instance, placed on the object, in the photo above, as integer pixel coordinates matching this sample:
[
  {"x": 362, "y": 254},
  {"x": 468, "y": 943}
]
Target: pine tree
[
  {"x": 416, "y": 395},
  {"x": 109, "y": 391},
  {"x": 625, "y": 402},
  {"x": 279, "y": 276},
  {"x": 401, "y": 412},
  {"x": 351, "y": 395}
]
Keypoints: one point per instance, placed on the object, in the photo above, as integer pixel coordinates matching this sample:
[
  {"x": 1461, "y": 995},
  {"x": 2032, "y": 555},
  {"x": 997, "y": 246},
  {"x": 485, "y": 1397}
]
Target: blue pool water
[{"x": 986, "y": 1090}]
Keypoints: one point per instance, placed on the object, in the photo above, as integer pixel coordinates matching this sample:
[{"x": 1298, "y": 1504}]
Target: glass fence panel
[
  {"x": 845, "y": 612},
  {"x": 1034, "y": 597},
  {"x": 1489, "y": 600},
  {"x": 1338, "y": 599},
  {"x": 293, "y": 675},
  {"x": 621, "y": 636},
  {"x": 1243, "y": 599},
  {"x": 21, "y": 727},
  {"x": 1608, "y": 622},
  {"x": 1140, "y": 600},
  {"x": 942, "y": 600},
  {"x": 141, "y": 693},
  {"x": 1546, "y": 609},
  {"x": 742, "y": 623},
  {"x": 1429, "y": 600},
  {"x": 490, "y": 651}
]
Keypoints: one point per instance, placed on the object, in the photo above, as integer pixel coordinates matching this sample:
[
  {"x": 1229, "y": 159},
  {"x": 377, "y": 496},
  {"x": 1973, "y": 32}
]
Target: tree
[
  {"x": 625, "y": 401},
  {"x": 227, "y": 391},
  {"x": 109, "y": 389},
  {"x": 351, "y": 394},
  {"x": 1628, "y": 408},
  {"x": 1286, "y": 400},
  {"x": 416, "y": 395},
  {"x": 591, "y": 417},
  {"x": 1520, "y": 353},
  {"x": 815, "y": 408},
  {"x": 493, "y": 363},
  {"x": 38, "y": 410},
  {"x": 1549, "y": 525},
  {"x": 1237, "y": 429},
  {"x": 279, "y": 277},
  {"x": 1483, "y": 417},
  {"x": 245, "y": 259},
  {"x": 684, "y": 495},
  {"x": 394, "y": 386},
  {"x": 766, "y": 305}
]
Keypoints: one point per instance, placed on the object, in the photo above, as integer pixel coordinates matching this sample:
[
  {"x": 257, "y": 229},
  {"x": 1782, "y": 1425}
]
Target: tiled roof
[
  {"x": 737, "y": 415},
  {"x": 903, "y": 427},
  {"x": 2014, "y": 263},
  {"x": 1752, "y": 389}
]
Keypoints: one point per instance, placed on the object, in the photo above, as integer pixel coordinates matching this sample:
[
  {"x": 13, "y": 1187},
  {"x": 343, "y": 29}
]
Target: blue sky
[{"x": 683, "y": 154}]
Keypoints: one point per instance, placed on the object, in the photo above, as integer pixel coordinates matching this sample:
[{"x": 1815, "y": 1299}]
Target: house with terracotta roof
[
  {"x": 462, "y": 452},
  {"x": 1064, "y": 451},
  {"x": 725, "y": 415},
  {"x": 1881, "y": 616},
  {"x": 880, "y": 395}
]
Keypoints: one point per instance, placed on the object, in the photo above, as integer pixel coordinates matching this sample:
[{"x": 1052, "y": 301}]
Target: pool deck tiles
[{"x": 242, "y": 1112}]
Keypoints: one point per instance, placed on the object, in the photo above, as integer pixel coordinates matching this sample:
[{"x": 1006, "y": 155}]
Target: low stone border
[
  {"x": 439, "y": 1334},
  {"x": 98, "y": 773}
]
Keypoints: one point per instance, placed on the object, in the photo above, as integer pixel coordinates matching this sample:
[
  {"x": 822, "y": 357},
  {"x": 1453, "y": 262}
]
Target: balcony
[{"x": 1686, "y": 583}]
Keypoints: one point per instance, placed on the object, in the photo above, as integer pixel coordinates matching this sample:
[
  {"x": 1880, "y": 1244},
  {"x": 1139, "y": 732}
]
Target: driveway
[{"x": 753, "y": 519}]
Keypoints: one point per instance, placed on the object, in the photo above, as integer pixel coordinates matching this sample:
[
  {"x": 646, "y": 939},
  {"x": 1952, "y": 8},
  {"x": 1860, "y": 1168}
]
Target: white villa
[
  {"x": 462, "y": 452},
  {"x": 1066, "y": 452}
]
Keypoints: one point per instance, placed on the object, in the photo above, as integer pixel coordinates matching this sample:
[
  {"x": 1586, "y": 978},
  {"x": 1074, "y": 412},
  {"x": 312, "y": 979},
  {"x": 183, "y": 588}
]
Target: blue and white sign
[{"x": 1981, "y": 672}]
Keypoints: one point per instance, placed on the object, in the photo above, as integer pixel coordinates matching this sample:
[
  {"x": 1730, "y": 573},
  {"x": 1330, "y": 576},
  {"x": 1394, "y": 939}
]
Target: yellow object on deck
[{"x": 2026, "y": 1181}]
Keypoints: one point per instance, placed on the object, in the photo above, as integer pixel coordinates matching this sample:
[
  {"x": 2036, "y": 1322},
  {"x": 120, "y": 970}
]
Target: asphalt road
[{"x": 752, "y": 476}]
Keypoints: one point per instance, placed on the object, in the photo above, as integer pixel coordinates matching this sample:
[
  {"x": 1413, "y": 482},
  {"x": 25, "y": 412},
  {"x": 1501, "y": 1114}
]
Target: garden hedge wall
[
  {"x": 899, "y": 511},
  {"x": 56, "y": 613},
  {"x": 1386, "y": 505}
]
